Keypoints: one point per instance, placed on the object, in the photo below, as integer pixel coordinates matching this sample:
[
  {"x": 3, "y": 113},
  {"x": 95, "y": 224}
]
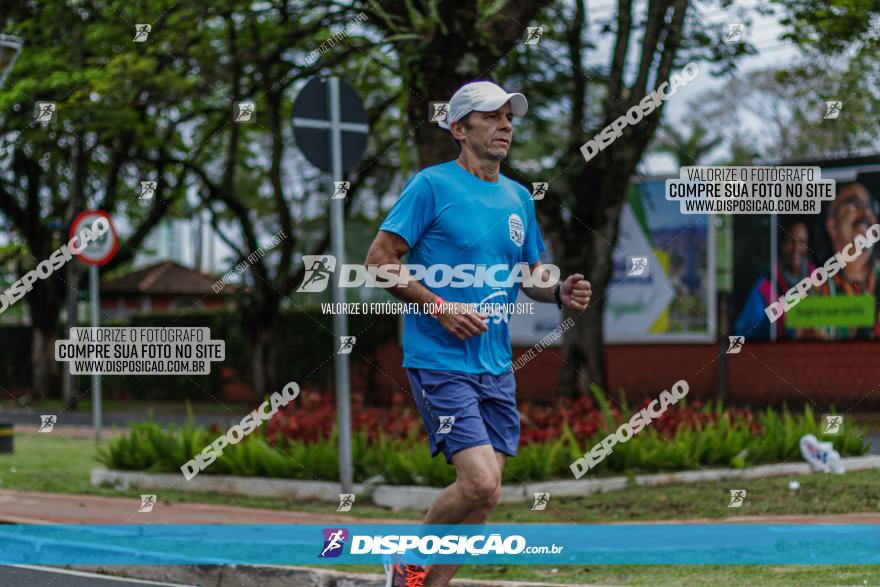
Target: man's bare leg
[
  {"x": 469, "y": 500},
  {"x": 480, "y": 515}
]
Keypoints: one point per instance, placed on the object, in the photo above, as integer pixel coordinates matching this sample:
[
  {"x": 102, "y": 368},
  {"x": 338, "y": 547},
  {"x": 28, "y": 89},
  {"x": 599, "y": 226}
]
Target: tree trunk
[
  {"x": 263, "y": 322},
  {"x": 42, "y": 362},
  {"x": 590, "y": 252},
  {"x": 45, "y": 304},
  {"x": 583, "y": 345},
  {"x": 262, "y": 341}
]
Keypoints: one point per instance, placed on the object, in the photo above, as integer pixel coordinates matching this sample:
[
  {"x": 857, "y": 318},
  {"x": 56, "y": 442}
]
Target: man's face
[
  {"x": 490, "y": 134},
  {"x": 851, "y": 215},
  {"x": 794, "y": 248}
]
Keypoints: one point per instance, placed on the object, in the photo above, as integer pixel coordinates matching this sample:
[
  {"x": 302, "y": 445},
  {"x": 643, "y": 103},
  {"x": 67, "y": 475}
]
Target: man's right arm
[{"x": 389, "y": 248}]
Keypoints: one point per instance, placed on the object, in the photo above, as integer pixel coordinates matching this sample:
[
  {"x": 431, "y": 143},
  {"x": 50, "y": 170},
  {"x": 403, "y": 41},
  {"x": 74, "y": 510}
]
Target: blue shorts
[{"x": 463, "y": 410}]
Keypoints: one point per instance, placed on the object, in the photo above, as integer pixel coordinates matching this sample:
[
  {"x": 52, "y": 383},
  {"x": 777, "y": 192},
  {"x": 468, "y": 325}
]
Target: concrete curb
[
  {"x": 231, "y": 484},
  {"x": 272, "y": 576},
  {"x": 420, "y": 498}
]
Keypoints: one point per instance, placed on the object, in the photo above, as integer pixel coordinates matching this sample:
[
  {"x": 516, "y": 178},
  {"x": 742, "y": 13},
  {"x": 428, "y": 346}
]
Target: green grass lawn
[{"x": 48, "y": 462}]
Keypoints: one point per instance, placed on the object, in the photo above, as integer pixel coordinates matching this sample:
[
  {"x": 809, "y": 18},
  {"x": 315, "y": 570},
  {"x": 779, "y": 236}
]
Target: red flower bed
[{"x": 313, "y": 417}]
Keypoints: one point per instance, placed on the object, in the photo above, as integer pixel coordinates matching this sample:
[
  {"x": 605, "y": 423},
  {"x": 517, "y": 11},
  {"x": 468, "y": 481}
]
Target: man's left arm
[{"x": 574, "y": 292}]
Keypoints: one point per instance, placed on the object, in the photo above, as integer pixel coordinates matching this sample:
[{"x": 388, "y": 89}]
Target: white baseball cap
[{"x": 482, "y": 97}]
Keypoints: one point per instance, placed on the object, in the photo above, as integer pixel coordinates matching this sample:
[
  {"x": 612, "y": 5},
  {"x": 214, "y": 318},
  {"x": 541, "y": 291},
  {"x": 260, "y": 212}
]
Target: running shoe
[{"x": 400, "y": 575}]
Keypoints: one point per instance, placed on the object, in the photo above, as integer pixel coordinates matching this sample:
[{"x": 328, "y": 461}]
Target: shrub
[{"x": 301, "y": 443}]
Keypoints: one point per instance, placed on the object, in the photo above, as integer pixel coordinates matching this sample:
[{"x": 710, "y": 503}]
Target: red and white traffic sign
[{"x": 100, "y": 250}]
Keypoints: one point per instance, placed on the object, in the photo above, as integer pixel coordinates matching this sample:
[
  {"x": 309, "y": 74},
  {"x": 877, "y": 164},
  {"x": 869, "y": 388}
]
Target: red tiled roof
[{"x": 167, "y": 277}]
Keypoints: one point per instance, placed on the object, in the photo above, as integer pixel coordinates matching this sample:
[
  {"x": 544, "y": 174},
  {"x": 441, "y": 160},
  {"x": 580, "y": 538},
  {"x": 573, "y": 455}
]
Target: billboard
[
  {"x": 776, "y": 253},
  {"x": 663, "y": 285},
  {"x": 662, "y": 288}
]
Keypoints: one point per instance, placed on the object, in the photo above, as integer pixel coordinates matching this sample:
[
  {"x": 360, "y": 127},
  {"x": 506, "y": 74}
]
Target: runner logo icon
[
  {"x": 48, "y": 422},
  {"x": 541, "y": 501},
  {"x": 147, "y": 503},
  {"x": 735, "y": 32},
  {"x": 446, "y": 423},
  {"x": 832, "y": 109},
  {"x": 319, "y": 268},
  {"x": 346, "y": 500},
  {"x": 638, "y": 266},
  {"x": 539, "y": 189},
  {"x": 141, "y": 32},
  {"x": 334, "y": 542},
  {"x": 833, "y": 424},
  {"x": 346, "y": 345},
  {"x": 533, "y": 34},
  {"x": 735, "y": 344},
  {"x": 737, "y": 497}
]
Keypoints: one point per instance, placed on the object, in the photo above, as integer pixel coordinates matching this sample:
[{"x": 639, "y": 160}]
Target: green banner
[{"x": 818, "y": 311}]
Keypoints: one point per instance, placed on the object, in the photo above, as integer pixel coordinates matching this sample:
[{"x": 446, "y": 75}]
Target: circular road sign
[
  {"x": 100, "y": 250},
  {"x": 319, "y": 111}
]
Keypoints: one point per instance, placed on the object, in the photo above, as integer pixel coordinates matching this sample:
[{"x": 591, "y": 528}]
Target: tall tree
[
  {"x": 841, "y": 42},
  {"x": 443, "y": 44},
  {"x": 111, "y": 101},
  {"x": 248, "y": 175},
  {"x": 440, "y": 45}
]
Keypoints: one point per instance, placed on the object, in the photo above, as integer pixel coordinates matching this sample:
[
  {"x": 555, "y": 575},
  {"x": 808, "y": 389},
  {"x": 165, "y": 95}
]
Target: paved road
[{"x": 30, "y": 576}]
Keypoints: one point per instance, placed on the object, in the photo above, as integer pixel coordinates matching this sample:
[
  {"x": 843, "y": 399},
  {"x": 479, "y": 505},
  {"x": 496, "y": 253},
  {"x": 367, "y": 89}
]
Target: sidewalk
[{"x": 32, "y": 507}]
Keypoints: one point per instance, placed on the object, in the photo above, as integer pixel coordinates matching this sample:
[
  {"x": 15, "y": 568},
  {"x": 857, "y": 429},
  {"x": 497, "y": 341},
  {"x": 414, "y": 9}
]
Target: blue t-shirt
[{"x": 450, "y": 217}]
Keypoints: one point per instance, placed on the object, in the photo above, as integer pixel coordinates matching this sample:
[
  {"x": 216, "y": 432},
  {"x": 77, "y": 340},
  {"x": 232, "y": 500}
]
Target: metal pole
[
  {"x": 724, "y": 230},
  {"x": 723, "y": 364},
  {"x": 96, "y": 378},
  {"x": 340, "y": 321},
  {"x": 67, "y": 379}
]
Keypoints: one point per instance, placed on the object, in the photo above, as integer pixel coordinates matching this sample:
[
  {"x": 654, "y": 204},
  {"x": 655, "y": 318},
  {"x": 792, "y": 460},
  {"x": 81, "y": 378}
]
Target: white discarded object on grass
[
  {"x": 794, "y": 485},
  {"x": 821, "y": 455}
]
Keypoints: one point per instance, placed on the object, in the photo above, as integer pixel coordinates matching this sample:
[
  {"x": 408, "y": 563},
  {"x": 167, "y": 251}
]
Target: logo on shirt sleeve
[{"x": 517, "y": 230}]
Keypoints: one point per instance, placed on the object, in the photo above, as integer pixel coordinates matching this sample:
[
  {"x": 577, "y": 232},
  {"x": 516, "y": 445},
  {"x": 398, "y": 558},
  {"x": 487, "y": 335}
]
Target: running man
[{"x": 457, "y": 360}]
